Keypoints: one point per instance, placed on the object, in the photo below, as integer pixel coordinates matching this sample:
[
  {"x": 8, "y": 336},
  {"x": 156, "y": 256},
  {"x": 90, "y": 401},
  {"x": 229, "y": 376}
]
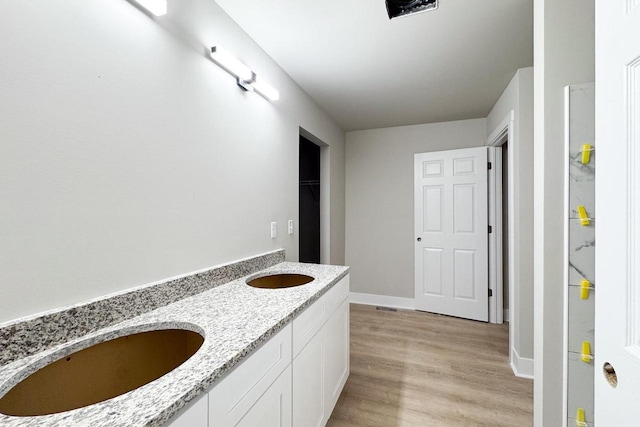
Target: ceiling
[{"x": 369, "y": 72}]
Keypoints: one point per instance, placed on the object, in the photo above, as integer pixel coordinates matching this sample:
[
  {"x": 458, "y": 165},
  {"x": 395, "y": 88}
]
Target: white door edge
[
  {"x": 496, "y": 281},
  {"x": 496, "y": 139}
]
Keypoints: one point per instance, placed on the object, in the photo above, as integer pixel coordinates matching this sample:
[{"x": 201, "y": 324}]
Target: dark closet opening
[{"x": 309, "y": 196}]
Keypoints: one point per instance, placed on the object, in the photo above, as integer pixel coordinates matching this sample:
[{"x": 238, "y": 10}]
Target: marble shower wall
[{"x": 581, "y": 244}]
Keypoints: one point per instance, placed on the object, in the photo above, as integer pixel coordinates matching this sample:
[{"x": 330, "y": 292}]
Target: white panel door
[
  {"x": 451, "y": 233},
  {"x": 618, "y": 208}
]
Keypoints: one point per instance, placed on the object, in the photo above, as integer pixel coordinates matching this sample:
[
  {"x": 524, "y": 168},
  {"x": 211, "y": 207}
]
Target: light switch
[
  {"x": 290, "y": 226},
  {"x": 274, "y": 230}
]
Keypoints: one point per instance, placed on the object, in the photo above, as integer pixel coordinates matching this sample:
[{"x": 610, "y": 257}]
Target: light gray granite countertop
[{"x": 234, "y": 318}]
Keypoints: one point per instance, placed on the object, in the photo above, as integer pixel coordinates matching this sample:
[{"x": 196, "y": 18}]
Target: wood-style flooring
[{"x": 412, "y": 368}]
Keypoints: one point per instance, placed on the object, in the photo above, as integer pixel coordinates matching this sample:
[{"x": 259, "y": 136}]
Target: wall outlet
[
  {"x": 290, "y": 226},
  {"x": 274, "y": 230}
]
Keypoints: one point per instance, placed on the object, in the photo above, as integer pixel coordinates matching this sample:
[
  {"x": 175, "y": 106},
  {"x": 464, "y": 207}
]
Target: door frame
[{"x": 504, "y": 132}]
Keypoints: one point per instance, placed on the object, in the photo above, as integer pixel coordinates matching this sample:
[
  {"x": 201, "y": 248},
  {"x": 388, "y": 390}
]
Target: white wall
[
  {"x": 563, "y": 55},
  {"x": 128, "y": 156},
  {"x": 379, "y": 194},
  {"x": 518, "y": 97}
]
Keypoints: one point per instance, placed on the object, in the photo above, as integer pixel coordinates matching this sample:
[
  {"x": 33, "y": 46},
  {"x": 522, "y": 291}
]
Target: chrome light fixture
[
  {"x": 265, "y": 89},
  {"x": 398, "y": 8},
  {"x": 231, "y": 64},
  {"x": 245, "y": 77},
  {"x": 156, "y": 7}
]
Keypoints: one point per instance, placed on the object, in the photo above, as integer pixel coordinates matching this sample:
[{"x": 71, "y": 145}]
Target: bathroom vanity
[
  {"x": 272, "y": 354},
  {"x": 295, "y": 378}
]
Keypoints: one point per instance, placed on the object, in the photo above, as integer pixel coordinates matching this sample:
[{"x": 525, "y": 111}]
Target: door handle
[{"x": 419, "y": 239}]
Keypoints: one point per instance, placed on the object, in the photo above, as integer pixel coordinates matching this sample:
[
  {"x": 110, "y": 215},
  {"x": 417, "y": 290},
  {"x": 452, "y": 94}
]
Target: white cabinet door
[
  {"x": 309, "y": 322},
  {"x": 308, "y": 400},
  {"x": 336, "y": 367},
  {"x": 451, "y": 232},
  {"x": 195, "y": 414},
  {"x": 235, "y": 395},
  {"x": 273, "y": 409},
  {"x": 618, "y": 209},
  {"x": 321, "y": 368}
]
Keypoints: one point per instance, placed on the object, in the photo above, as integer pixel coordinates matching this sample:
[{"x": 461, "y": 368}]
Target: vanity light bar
[
  {"x": 265, "y": 89},
  {"x": 245, "y": 77},
  {"x": 157, "y": 7},
  {"x": 231, "y": 64}
]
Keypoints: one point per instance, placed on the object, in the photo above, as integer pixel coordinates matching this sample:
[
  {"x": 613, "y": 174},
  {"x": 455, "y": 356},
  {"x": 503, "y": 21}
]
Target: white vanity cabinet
[
  {"x": 336, "y": 363},
  {"x": 236, "y": 395},
  {"x": 293, "y": 380},
  {"x": 257, "y": 392},
  {"x": 321, "y": 364},
  {"x": 309, "y": 405},
  {"x": 273, "y": 409}
]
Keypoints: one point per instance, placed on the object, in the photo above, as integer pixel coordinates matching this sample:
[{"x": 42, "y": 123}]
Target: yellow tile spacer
[
  {"x": 582, "y": 213},
  {"x": 586, "y": 356},
  {"x": 586, "y": 154},
  {"x": 580, "y": 419},
  {"x": 585, "y": 285}
]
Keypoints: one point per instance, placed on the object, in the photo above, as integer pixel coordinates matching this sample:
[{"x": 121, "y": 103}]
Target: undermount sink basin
[
  {"x": 101, "y": 372},
  {"x": 279, "y": 281}
]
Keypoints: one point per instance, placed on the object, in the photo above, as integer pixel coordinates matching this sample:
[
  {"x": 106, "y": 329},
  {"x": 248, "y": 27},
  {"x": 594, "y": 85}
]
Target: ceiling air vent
[{"x": 397, "y": 8}]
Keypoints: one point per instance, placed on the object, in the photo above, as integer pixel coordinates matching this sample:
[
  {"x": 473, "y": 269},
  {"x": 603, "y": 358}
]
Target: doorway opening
[{"x": 309, "y": 201}]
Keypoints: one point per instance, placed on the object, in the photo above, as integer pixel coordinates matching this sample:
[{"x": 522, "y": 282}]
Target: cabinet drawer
[
  {"x": 309, "y": 322},
  {"x": 232, "y": 397},
  {"x": 337, "y": 295}
]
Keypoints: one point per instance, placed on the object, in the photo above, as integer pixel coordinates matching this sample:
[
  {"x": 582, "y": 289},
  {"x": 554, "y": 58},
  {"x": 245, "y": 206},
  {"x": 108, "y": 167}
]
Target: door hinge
[
  {"x": 490, "y": 292},
  {"x": 490, "y": 165},
  {"x": 490, "y": 229}
]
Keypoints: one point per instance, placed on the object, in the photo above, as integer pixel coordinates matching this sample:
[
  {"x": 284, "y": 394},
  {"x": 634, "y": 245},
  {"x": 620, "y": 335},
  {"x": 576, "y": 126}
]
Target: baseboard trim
[
  {"x": 521, "y": 366},
  {"x": 383, "y": 300}
]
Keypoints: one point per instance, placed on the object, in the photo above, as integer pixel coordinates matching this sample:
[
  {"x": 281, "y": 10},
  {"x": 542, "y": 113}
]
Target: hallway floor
[{"x": 412, "y": 368}]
